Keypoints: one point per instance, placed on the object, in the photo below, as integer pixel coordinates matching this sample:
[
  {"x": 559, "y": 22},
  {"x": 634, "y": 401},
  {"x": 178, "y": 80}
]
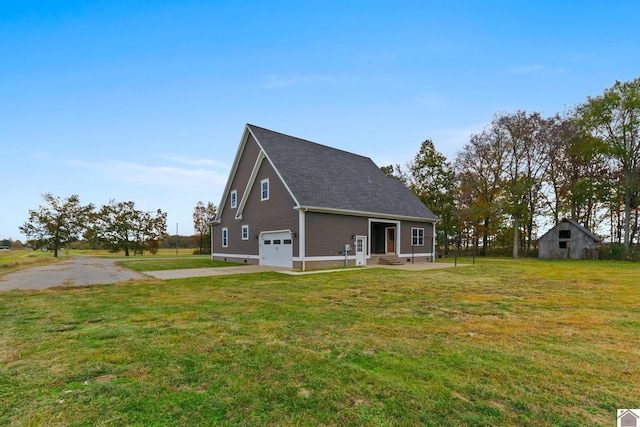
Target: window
[
  {"x": 225, "y": 237},
  {"x": 234, "y": 199},
  {"x": 264, "y": 189},
  {"x": 564, "y": 234},
  {"x": 277, "y": 242},
  {"x": 563, "y": 245},
  {"x": 287, "y": 241},
  {"x": 417, "y": 236},
  {"x": 245, "y": 232},
  {"x": 267, "y": 242}
]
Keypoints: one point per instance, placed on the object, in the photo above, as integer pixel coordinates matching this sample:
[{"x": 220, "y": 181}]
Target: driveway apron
[{"x": 76, "y": 271}]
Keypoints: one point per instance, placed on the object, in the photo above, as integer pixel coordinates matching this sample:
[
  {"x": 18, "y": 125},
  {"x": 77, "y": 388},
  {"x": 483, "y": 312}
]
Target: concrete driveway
[
  {"x": 76, "y": 271},
  {"x": 83, "y": 271}
]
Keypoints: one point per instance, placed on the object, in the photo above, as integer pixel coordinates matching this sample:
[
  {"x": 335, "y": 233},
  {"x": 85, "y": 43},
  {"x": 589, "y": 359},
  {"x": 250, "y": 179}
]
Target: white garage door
[{"x": 276, "y": 249}]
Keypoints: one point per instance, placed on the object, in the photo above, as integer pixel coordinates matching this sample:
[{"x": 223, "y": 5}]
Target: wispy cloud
[
  {"x": 537, "y": 68},
  {"x": 377, "y": 57},
  {"x": 194, "y": 162},
  {"x": 527, "y": 69},
  {"x": 431, "y": 100},
  {"x": 274, "y": 81},
  {"x": 154, "y": 176}
]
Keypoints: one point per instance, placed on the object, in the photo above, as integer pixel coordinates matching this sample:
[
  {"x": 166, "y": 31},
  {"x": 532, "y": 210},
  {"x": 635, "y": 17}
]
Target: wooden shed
[{"x": 568, "y": 240}]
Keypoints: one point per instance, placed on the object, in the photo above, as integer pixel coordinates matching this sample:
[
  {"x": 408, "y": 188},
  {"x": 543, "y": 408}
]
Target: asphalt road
[{"x": 76, "y": 271}]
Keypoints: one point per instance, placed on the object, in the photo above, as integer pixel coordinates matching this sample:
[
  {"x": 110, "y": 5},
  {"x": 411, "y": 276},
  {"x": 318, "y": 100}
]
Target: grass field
[
  {"x": 155, "y": 264},
  {"x": 499, "y": 343},
  {"x": 17, "y": 260}
]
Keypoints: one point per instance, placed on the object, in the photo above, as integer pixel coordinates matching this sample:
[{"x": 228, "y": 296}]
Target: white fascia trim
[
  {"x": 252, "y": 179},
  {"x": 275, "y": 169},
  {"x": 218, "y": 254},
  {"x": 324, "y": 258},
  {"x": 232, "y": 173},
  {"x": 416, "y": 254},
  {"x": 372, "y": 215}
]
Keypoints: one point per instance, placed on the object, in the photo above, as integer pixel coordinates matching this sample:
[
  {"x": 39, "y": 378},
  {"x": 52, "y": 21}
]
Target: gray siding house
[
  {"x": 568, "y": 240},
  {"x": 293, "y": 203}
]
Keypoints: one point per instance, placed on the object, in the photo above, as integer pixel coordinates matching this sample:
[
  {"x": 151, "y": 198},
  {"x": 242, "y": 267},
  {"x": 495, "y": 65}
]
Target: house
[
  {"x": 568, "y": 240},
  {"x": 628, "y": 418},
  {"x": 293, "y": 203}
]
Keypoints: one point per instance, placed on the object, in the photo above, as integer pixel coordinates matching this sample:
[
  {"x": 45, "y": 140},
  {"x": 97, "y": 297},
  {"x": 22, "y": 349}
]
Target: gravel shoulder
[{"x": 76, "y": 271}]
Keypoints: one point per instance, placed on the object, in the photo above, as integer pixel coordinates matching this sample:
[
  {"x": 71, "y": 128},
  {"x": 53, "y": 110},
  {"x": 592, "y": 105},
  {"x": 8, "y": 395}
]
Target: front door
[
  {"x": 361, "y": 250},
  {"x": 391, "y": 240}
]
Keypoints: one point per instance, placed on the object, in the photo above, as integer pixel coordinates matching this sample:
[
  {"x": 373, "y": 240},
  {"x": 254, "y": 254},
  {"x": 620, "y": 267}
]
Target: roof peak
[{"x": 252, "y": 126}]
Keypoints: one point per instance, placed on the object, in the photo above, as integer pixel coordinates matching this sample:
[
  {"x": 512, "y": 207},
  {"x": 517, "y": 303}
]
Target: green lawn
[
  {"x": 499, "y": 343},
  {"x": 14, "y": 260},
  {"x": 151, "y": 264}
]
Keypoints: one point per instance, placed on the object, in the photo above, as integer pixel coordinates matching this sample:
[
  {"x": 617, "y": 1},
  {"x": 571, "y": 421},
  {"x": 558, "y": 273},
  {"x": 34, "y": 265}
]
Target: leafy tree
[
  {"x": 120, "y": 226},
  {"x": 614, "y": 117},
  {"x": 481, "y": 165},
  {"x": 202, "y": 216},
  {"x": 524, "y": 169},
  {"x": 431, "y": 178},
  {"x": 59, "y": 222}
]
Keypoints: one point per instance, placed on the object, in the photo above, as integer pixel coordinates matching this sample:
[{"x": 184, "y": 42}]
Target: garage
[{"x": 276, "y": 249}]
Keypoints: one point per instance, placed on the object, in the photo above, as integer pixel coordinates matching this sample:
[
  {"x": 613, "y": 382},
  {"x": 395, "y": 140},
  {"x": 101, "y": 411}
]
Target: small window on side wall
[
  {"x": 417, "y": 236},
  {"x": 225, "y": 237},
  {"x": 264, "y": 189},
  {"x": 234, "y": 199},
  {"x": 563, "y": 245},
  {"x": 245, "y": 232}
]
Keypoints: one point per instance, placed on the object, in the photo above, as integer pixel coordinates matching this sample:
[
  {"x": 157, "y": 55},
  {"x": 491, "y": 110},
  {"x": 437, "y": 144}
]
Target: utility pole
[{"x": 177, "y": 238}]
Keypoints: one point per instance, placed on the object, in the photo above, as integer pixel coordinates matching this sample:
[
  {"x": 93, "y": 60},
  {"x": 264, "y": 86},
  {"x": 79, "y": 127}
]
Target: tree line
[
  {"x": 116, "y": 226},
  {"x": 523, "y": 169}
]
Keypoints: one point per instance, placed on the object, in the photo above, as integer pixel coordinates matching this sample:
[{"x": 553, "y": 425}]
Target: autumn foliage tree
[{"x": 202, "y": 216}]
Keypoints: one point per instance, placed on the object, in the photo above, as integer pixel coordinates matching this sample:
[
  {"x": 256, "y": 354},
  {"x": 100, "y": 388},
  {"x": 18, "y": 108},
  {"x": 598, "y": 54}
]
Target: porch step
[{"x": 390, "y": 260}]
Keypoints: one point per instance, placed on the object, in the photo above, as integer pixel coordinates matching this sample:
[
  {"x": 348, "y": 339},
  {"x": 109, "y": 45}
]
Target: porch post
[
  {"x": 433, "y": 245},
  {"x": 301, "y": 237}
]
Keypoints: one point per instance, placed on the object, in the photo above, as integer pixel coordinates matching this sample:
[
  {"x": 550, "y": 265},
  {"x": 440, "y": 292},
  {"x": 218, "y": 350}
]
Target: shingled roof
[{"x": 325, "y": 178}]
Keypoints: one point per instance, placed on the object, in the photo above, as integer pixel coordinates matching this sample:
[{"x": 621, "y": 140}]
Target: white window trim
[
  {"x": 417, "y": 235},
  {"x": 245, "y": 236},
  {"x": 234, "y": 199},
  {"x": 262, "y": 197},
  {"x": 225, "y": 237}
]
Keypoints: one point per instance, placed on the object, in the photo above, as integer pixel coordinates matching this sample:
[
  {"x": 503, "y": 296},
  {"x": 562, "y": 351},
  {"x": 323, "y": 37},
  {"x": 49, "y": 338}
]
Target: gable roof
[
  {"x": 327, "y": 179},
  {"x": 575, "y": 223}
]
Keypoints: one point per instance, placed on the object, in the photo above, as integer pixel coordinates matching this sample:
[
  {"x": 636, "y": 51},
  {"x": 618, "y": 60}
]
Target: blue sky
[{"x": 147, "y": 100}]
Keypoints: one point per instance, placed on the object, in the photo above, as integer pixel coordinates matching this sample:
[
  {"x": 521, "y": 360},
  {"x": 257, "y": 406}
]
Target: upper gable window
[
  {"x": 264, "y": 189},
  {"x": 234, "y": 199}
]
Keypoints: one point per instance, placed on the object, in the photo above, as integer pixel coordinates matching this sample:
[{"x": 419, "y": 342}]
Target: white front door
[
  {"x": 361, "y": 250},
  {"x": 276, "y": 249}
]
